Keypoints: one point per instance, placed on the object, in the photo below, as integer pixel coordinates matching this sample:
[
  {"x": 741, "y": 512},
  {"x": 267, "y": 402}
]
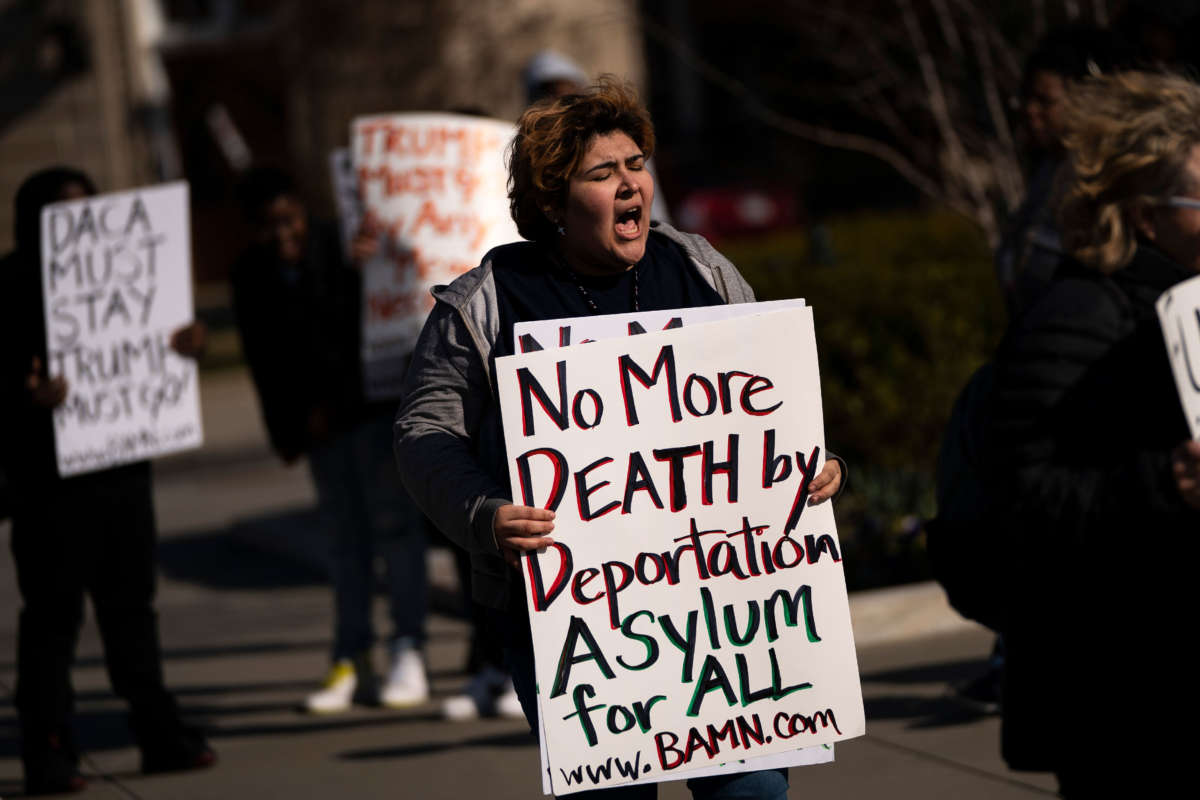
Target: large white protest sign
[
  {"x": 541, "y": 334},
  {"x": 1179, "y": 313},
  {"x": 692, "y": 611},
  {"x": 117, "y": 282},
  {"x": 536, "y": 335},
  {"x": 437, "y": 184}
]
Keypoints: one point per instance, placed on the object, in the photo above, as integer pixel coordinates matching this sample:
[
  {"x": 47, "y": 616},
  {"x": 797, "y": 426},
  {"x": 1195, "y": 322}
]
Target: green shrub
[{"x": 906, "y": 308}]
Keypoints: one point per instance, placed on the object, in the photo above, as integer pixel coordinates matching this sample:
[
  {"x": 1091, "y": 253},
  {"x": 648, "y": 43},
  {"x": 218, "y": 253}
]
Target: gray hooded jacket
[{"x": 448, "y": 438}]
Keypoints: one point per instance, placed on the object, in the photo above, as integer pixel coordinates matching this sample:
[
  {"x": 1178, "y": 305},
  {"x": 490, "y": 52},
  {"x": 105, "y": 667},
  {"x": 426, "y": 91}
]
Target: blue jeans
[
  {"x": 369, "y": 514},
  {"x": 771, "y": 784}
]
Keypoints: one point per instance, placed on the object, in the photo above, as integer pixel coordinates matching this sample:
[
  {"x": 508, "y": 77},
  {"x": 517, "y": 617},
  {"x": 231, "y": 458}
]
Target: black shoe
[
  {"x": 51, "y": 767},
  {"x": 182, "y": 748}
]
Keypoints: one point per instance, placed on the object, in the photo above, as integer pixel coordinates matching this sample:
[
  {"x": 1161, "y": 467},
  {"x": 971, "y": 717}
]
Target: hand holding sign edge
[
  {"x": 520, "y": 529},
  {"x": 828, "y": 483},
  {"x": 45, "y": 392},
  {"x": 1185, "y": 468}
]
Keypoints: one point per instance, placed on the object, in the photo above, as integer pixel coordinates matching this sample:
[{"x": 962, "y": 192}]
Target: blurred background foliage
[{"x": 906, "y": 308}]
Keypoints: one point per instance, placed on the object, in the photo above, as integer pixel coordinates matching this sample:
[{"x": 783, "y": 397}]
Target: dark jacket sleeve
[
  {"x": 841, "y": 462},
  {"x": 26, "y": 430},
  {"x": 13, "y": 366},
  {"x": 282, "y": 412},
  {"x": 446, "y": 396},
  {"x": 1046, "y": 460}
]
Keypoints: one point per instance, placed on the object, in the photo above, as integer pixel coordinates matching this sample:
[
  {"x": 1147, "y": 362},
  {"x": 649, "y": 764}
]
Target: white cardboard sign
[
  {"x": 117, "y": 282},
  {"x": 693, "y": 609},
  {"x": 547, "y": 333},
  {"x": 531, "y": 336},
  {"x": 1179, "y": 312},
  {"x": 437, "y": 183}
]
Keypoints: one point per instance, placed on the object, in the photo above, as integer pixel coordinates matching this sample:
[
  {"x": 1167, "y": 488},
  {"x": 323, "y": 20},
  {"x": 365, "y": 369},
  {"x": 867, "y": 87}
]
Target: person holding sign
[
  {"x": 579, "y": 191},
  {"x": 1089, "y": 450},
  {"x": 92, "y": 533},
  {"x": 298, "y": 308}
]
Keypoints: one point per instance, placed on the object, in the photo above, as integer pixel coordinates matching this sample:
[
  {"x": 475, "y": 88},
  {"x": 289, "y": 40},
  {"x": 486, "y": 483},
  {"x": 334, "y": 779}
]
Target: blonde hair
[{"x": 1128, "y": 136}]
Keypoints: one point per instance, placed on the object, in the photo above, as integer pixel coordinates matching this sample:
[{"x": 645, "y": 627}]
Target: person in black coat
[
  {"x": 92, "y": 533},
  {"x": 1030, "y": 250},
  {"x": 1089, "y": 455},
  {"x": 298, "y": 304}
]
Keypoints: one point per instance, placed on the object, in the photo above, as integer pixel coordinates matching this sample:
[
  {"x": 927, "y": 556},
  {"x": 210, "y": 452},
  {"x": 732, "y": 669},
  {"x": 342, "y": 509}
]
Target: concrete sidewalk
[
  {"x": 245, "y": 636},
  {"x": 246, "y": 622}
]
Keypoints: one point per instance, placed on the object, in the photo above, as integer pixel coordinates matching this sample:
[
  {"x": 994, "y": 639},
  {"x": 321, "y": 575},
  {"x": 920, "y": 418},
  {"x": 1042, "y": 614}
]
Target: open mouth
[{"x": 629, "y": 223}]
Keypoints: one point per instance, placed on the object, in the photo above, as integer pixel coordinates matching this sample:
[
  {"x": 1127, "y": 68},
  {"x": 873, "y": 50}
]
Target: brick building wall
[
  {"x": 317, "y": 65},
  {"x": 84, "y": 121}
]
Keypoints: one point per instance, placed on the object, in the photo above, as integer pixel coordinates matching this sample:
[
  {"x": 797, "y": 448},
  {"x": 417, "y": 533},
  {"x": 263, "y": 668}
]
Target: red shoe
[
  {"x": 51, "y": 769},
  {"x": 180, "y": 750}
]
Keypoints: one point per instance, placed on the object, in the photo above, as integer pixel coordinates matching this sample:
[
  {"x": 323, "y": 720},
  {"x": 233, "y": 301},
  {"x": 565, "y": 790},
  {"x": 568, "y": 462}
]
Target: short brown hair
[
  {"x": 552, "y": 137},
  {"x": 1129, "y": 137}
]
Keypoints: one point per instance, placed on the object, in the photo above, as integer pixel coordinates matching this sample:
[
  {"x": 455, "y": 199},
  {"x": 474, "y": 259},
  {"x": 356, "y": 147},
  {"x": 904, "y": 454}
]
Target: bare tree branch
[
  {"x": 818, "y": 134},
  {"x": 1039, "y": 18},
  {"x": 1010, "y": 187},
  {"x": 933, "y": 107},
  {"x": 878, "y": 106},
  {"x": 949, "y": 32},
  {"x": 955, "y": 153},
  {"x": 936, "y": 95},
  {"x": 1010, "y": 63}
]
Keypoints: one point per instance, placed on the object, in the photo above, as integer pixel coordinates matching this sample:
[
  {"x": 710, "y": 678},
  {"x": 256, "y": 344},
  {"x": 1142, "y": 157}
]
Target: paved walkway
[{"x": 246, "y": 620}]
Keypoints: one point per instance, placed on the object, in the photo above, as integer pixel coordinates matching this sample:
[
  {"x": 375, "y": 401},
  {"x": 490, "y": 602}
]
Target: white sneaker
[
  {"x": 337, "y": 692},
  {"x": 406, "y": 682},
  {"x": 460, "y": 708},
  {"x": 509, "y": 705},
  {"x": 488, "y": 694}
]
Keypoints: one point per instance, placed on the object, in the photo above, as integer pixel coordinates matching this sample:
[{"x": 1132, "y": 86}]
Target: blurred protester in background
[
  {"x": 549, "y": 75},
  {"x": 1031, "y": 249},
  {"x": 1030, "y": 253},
  {"x": 1087, "y": 442},
  {"x": 489, "y": 691},
  {"x": 592, "y": 250},
  {"x": 298, "y": 306},
  {"x": 92, "y": 533}
]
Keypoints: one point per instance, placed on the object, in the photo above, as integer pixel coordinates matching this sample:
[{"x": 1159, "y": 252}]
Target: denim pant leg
[
  {"x": 767, "y": 784},
  {"x": 121, "y": 578},
  {"x": 518, "y": 657},
  {"x": 518, "y": 652},
  {"x": 397, "y": 531},
  {"x": 50, "y": 576},
  {"x": 337, "y": 472}
]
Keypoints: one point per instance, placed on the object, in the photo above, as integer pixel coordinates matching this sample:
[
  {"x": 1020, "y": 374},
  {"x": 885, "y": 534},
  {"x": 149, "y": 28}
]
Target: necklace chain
[{"x": 587, "y": 296}]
